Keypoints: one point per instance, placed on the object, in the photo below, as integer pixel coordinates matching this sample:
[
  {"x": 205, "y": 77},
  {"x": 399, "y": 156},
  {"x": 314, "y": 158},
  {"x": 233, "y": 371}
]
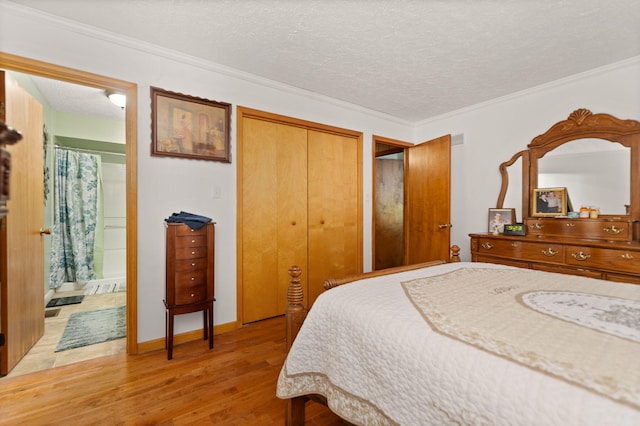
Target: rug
[
  {"x": 104, "y": 288},
  {"x": 62, "y": 301},
  {"x": 91, "y": 327}
]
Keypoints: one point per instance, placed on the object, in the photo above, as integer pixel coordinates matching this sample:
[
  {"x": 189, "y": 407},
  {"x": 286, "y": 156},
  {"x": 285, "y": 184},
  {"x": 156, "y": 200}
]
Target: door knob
[
  {"x": 45, "y": 231},
  {"x": 445, "y": 225}
]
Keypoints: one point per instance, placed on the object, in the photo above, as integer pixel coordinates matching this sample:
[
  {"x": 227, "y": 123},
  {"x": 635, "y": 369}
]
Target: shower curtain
[{"x": 77, "y": 217}]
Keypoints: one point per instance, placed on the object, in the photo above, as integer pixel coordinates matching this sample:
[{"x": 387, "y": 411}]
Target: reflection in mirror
[
  {"x": 513, "y": 197},
  {"x": 595, "y": 172}
]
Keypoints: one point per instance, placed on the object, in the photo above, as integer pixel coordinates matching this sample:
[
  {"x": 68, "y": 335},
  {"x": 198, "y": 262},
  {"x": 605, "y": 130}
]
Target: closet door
[
  {"x": 335, "y": 233},
  {"x": 274, "y": 214}
]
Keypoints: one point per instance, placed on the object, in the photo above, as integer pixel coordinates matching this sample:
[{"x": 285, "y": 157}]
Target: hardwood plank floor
[{"x": 232, "y": 384}]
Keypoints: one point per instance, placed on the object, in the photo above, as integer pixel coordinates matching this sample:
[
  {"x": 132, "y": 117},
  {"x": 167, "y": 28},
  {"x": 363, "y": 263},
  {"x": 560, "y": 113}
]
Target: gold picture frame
[
  {"x": 189, "y": 127},
  {"x": 549, "y": 202}
]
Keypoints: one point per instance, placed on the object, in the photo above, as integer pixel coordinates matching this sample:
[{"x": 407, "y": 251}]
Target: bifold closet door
[
  {"x": 274, "y": 216},
  {"x": 334, "y": 214}
]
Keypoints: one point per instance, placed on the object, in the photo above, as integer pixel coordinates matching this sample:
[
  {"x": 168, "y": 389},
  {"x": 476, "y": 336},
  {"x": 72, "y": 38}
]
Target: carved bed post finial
[
  {"x": 296, "y": 312},
  {"x": 455, "y": 254},
  {"x": 294, "y": 292}
]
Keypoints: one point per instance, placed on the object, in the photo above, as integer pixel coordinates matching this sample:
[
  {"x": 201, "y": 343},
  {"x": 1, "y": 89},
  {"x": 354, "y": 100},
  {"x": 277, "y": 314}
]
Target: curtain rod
[{"x": 87, "y": 150}]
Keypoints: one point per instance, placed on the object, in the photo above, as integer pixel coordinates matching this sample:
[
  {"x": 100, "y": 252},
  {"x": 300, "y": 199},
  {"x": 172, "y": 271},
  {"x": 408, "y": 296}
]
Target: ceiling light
[{"x": 117, "y": 99}]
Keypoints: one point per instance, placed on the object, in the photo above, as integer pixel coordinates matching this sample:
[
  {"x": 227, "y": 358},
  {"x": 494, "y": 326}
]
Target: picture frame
[
  {"x": 549, "y": 202},
  {"x": 189, "y": 127},
  {"x": 500, "y": 217}
]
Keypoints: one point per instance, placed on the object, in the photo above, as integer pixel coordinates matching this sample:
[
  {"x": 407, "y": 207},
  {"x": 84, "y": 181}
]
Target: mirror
[{"x": 596, "y": 172}]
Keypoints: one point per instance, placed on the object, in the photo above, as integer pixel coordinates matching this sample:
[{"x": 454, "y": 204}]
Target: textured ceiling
[{"x": 410, "y": 59}]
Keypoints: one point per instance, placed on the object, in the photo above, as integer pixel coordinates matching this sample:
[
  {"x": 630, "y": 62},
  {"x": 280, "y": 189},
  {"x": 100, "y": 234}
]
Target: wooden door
[
  {"x": 274, "y": 214},
  {"x": 21, "y": 245},
  {"x": 428, "y": 201},
  {"x": 335, "y": 215}
]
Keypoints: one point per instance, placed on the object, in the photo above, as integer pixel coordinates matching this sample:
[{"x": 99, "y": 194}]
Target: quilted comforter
[{"x": 472, "y": 343}]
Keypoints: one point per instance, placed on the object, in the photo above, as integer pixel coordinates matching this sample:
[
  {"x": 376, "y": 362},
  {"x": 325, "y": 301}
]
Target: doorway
[
  {"x": 36, "y": 68},
  {"x": 411, "y": 201}
]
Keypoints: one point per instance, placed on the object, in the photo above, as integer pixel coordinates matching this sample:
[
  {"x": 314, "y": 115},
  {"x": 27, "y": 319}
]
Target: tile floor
[{"x": 42, "y": 355}]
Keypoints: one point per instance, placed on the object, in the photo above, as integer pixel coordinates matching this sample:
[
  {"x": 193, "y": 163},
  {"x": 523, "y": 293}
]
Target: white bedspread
[{"x": 368, "y": 349}]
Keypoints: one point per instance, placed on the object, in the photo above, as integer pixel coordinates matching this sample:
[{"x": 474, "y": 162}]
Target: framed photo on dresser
[
  {"x": 549, "y": 202},
  {"x": 500, "y": 217}
]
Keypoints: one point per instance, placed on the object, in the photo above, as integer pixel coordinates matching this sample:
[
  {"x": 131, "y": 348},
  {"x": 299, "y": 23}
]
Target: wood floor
[{"x": 232, "y": 384}]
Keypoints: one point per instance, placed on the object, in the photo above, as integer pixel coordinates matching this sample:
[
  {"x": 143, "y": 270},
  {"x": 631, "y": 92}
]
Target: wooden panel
[
  {"x": 274, "y": 215},
  {"x": 428, "y": 198},
  {"x": 389, "y": 213},
  {"x": 21, "y": 244},
  {"x": 335, "y": 239}
]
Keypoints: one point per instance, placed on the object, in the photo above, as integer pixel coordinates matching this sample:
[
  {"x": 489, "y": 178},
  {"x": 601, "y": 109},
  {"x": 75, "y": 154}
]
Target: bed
[{"x": 466, "y": 343}]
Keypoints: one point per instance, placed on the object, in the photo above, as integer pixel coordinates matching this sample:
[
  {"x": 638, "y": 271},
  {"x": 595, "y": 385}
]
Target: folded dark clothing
[{"x": 194, "y": 221}]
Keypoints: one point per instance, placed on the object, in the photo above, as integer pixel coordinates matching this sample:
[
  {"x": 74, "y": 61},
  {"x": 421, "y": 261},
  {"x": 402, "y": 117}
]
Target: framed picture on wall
[
  {"x": 189, "y": 127},
  {"x": 500, "y": 217},
  {"x": 549, "y": 202}
]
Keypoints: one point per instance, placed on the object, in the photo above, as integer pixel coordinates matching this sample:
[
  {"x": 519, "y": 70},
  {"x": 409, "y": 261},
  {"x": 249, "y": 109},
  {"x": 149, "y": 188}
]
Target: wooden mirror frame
[{"x": 581, "y": 124}]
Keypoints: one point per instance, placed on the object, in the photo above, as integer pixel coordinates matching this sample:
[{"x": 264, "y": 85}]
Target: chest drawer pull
[
  {"x": 549, "y": 252},
  {"x": 613, "y": 230},
  {"x": 570, "y": 224},
  {"x": 536, "y": 226},
  {"x": 487, "y": 246},
  {"x": 514, "y": 244},
  {"x": 580, "y": 255},
  {"x": 627, "y": 256}
]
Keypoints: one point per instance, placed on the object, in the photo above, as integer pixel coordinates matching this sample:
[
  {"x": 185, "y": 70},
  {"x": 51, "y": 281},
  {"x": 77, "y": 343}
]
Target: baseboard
[{"x": 189, "y": 336}]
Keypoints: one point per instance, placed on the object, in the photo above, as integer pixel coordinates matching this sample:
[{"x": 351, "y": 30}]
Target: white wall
[
  {"x": 494, "y": 131},
  {"x": 167, "y": 185},
  {"x": 491, "y": 134}
]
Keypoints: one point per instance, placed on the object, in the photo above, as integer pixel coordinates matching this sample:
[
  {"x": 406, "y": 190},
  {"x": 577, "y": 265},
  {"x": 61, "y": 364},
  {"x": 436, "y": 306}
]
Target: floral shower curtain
[{"x": 77, "y": 206}]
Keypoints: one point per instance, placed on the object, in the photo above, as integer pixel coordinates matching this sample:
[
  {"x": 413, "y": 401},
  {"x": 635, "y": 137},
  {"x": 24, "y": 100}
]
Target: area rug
[
  {"x": 62, "y": 301},
  {"x": 91, "y": 327},
  {"x": 105, "y": 288}
]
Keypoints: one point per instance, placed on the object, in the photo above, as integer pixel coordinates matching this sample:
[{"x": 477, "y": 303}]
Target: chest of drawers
[
  {"x": 189, "y": 282},
  {"x": 611, "y": 260}
]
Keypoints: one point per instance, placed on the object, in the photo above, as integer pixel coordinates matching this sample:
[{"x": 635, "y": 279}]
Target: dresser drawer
[
  {"x": 619, "y": 260},
  {"x": 190, "y": 265},
  {"x": 183, "y": 230},
  {"x": 191, "y": 241},
  {"x": 195, "y": 294},
  {"x": 190, "y": 278},
  {"x": 530, "y": 251},
  {"x": 599, "y": 229},
  {"x": 191, "y": 253}
]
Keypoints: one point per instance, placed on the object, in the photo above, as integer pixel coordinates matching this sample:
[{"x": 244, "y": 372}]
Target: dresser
[
  {"x": 599, "y": 246},
  {"x": 189, "y": 276}
]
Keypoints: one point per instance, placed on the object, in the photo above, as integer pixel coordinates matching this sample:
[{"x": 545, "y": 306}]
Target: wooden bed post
[
  {"x": 296, "y": 312},
  {"x": 295, "y": 315},
  {"x": 455, "y": 254}
]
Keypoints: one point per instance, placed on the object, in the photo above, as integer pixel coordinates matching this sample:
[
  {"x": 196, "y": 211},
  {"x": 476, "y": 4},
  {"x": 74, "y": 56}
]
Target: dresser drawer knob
[
  {"x": 193, "y": 264},
  {"x": 193, "y": 241},
  {"x": 580, "y": 255},
  {"x": 613, "y": 230},
  {"x": 193, "y": 252},
  {"x": 192, "y": 294},
  {"x": 487, "y": 246},
  {"x": 627, "y": 256},
  {"x": 536, "y": 226},
  {"x": 514, "y": 244},
  {"x": 549, "y": 252},
  {"x": 193, "y": 278}
]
